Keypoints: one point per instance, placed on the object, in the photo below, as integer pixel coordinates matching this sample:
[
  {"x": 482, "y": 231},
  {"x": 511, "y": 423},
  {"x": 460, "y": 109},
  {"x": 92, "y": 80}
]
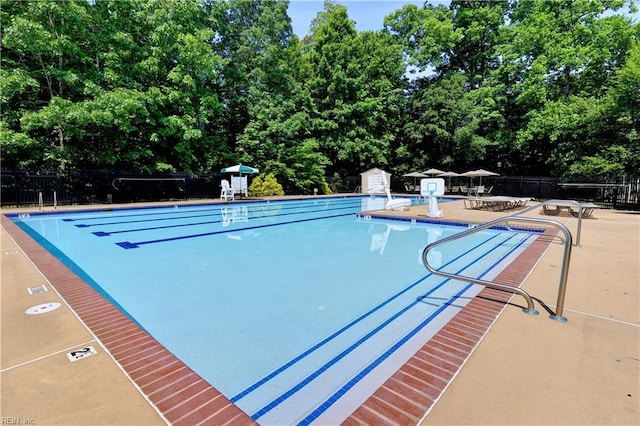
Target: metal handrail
[{"x": 530, "y": 309}]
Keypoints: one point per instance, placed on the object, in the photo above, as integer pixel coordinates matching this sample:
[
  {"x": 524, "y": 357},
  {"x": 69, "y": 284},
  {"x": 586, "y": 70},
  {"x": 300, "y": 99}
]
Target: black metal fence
[
  {"x": 21, "y": 188},
  {"x": 620, "y": 193}
]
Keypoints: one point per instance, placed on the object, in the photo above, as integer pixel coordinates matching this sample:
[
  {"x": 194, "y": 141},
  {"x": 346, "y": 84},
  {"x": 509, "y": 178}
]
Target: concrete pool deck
[{"x": 526, "y": 369}]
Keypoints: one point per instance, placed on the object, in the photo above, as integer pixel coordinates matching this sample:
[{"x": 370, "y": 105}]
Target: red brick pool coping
[{"x": 184, "y": 398}]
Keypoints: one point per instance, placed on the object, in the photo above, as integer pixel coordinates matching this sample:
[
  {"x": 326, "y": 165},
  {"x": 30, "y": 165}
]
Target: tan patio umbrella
[
  {"x": 479, "y": 173},
  {"x": 432, "y": 172},
  {"x": 415, "y": 175},
  {"x": 482, "y": 172},
  {"x": 448, "y": 174}
]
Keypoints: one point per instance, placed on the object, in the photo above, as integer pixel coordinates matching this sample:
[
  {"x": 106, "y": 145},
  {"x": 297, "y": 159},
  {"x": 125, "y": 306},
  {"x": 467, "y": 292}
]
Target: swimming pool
[{"x": 278, "y": 305}]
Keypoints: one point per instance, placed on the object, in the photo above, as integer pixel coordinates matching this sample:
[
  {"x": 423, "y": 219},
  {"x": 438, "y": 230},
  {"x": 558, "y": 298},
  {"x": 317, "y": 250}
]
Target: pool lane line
[
  {"x": 217, "y": 213},
  {"x": 174, "y": 211},
  {"x": 312, "y": 376},
  {"x": 325, "y": 405},
  {"x": 330, "y": 401},
  {"x": 209, "y": 222},
  {"x": 375, "y": 363},
  {"x": 84, "y": 225},
  {"x": 129, "y": 245},
  {"x": 162, "y": 213},
  {"x": 346, "y": 327}
]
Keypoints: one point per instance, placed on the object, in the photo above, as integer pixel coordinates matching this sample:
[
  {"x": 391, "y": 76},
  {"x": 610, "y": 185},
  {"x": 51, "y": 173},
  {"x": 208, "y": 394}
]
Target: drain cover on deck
[
  {"x": 42, "y": 309},
  {"x": 37, "y": 289}
]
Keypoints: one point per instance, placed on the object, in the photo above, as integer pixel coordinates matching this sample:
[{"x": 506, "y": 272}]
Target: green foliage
[
  {"x": 608, "y": 163},
  {"x": 122, "y": 84},
  {"x": 354, "y": 82},
  {"x": 544, "y": 87},
  {"x": 325, "y": 189},
  {"x": 265, "y": 187},
  {"x": 424, "y": 33}
]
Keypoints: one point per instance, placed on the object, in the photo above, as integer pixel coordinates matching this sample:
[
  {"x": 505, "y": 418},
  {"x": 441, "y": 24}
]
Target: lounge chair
[
  {"x": 555, "y": 207},
  {"x": 477, "y": 191},
  {"x": 498, "y": 203},
  {"x": 226, "y": 193}
]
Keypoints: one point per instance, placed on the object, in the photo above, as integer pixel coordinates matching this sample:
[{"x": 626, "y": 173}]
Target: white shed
[{"x": 371, "y": 181}]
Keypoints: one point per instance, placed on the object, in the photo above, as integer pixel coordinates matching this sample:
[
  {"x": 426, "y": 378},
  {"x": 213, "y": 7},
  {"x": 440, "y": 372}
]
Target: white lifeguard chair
[
  {"x": 394, "y": 203},
  {"x": 239, "y": 186}
]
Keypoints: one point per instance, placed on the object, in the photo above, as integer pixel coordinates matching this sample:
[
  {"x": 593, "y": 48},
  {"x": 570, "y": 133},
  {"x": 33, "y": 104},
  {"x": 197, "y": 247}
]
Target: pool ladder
[{"x": 567, "y": 241}]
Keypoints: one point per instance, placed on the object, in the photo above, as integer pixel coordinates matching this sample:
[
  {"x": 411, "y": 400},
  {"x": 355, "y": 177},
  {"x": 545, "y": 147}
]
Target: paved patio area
[{"x": 526, "y": 370}]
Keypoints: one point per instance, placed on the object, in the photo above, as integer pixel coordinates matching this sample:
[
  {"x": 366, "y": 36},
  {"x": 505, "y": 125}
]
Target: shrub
[
  {"x": 265, "y": 187},
  {"x": 325, "y": 188}
]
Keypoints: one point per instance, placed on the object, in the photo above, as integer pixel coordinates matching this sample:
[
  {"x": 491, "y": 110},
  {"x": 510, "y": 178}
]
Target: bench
[{"x": 555, "y": 207}]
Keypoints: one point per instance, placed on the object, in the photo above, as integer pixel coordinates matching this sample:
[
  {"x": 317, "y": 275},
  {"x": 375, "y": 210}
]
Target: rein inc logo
[{"x": 17, "y": 420}]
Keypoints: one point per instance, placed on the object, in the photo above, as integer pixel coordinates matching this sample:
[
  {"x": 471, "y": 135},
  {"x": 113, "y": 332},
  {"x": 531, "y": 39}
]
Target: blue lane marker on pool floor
[
  {"x": 318, "y": 372},
  {"x": 188, "y": 214},
  {"x": 209, "y": 222},
  {"x": 253, "y": 387},
  {"x": 130, "y": 245},
  {"x": 351, "y": 383}
]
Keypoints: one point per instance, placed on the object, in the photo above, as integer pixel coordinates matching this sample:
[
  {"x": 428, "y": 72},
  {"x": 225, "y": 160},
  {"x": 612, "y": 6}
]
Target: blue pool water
[{"x": 295, "y": 310}]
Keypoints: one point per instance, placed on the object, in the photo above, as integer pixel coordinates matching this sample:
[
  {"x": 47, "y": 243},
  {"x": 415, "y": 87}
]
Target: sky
[{"x": 368, "y": 14}]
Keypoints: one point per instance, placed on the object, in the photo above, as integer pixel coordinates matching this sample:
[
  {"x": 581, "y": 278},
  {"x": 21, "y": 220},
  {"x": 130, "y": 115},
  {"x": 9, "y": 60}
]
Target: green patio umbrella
[{"x": 240, "y": 168}]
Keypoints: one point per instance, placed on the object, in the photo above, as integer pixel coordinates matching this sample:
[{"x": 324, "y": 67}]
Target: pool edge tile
[
  {"x": 81, "y": 293},
  {"x": 489, "y": 302}
]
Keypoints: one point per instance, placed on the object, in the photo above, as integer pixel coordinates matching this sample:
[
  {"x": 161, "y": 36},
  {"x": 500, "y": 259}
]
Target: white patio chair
[{"x": 226, "y": 193}]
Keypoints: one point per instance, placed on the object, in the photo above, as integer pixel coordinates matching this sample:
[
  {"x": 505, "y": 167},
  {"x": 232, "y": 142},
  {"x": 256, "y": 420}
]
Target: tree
[
  {"x": 45, "y": 64},
  {"x": 620, "y": 121},
  {"x": 478, "y": 22},
  {"x": 277, "y": 137},
  {"x": 355, "y": 83},
  {"x": 443, "y": 126},
  {"x": 557, "y": 59},
  {"x": 121, "y": 84}
]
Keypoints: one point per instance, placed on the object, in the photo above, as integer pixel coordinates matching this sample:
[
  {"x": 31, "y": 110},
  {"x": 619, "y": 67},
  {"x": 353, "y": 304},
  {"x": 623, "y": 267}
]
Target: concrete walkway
[
  {"x": 532, "y": 370},
  {"x": 527, "y": 369}
]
